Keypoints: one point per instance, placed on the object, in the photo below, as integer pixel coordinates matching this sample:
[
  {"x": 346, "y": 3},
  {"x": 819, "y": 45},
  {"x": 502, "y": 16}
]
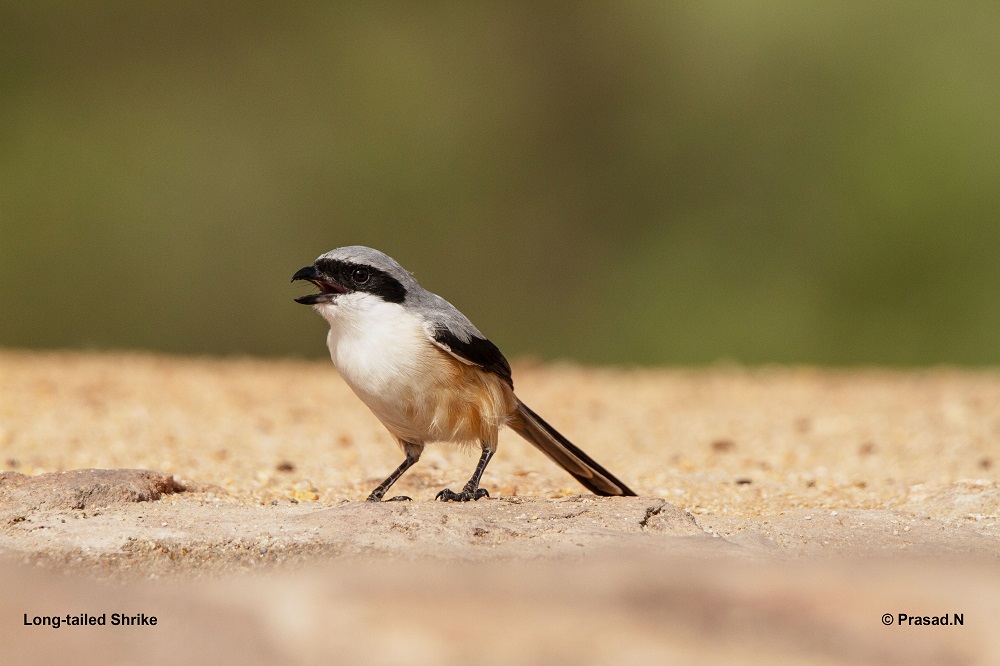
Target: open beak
[{"x": 328, "y": 290}]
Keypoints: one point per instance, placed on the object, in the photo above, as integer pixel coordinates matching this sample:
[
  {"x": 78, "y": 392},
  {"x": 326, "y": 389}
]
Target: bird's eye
[{"x": 360, "y": 275}]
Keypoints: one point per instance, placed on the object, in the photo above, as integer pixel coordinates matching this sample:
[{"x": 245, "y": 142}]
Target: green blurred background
[{"x": 636, "y": 182}]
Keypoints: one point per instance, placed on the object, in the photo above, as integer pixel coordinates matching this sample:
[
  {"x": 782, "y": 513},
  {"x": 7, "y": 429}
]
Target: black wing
[{"x": 476, "y": 351}]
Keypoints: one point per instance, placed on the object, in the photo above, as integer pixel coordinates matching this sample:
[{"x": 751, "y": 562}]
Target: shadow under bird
[{"x": 425, "y": 371}]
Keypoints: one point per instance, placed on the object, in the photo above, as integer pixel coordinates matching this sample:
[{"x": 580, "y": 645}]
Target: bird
[{"x": 426, "y": 372}]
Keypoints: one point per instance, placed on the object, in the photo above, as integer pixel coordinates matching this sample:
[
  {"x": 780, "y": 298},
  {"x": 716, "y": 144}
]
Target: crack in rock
[{"x": 651, "y": 511}]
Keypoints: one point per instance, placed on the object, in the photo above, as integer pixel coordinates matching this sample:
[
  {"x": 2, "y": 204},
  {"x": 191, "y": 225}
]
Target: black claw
[
  {"x": 398, "y": 498},
  {"x": 448, "y": 495}
]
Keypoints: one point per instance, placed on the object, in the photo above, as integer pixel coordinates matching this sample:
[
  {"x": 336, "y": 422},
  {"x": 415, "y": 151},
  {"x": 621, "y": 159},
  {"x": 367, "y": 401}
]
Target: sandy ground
[{"x": 782, "y": 512}]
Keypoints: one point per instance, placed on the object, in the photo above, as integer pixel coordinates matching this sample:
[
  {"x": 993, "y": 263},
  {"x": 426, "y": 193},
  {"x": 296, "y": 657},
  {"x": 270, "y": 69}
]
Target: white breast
[
  {"x": 418, "y": 391},
  {"x": 374, "y": 344},
  {"x": 384, "y": 355}
]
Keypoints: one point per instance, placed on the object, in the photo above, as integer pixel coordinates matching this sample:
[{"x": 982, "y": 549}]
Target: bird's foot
[
  {"x": 447, "y": 495},
  {"x": 398, "y": 498}
]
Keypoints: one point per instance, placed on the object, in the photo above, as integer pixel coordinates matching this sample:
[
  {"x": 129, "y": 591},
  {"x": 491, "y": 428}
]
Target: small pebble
[{"x": 723, "y": 445}]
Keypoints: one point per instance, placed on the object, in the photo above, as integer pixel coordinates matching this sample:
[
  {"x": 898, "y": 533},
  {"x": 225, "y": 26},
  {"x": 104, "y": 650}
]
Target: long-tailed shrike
[{"x": 425, "y": 371}]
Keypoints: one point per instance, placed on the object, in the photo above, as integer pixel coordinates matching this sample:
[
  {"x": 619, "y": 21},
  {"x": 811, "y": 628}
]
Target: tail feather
[{"x": 564, "y": 453}]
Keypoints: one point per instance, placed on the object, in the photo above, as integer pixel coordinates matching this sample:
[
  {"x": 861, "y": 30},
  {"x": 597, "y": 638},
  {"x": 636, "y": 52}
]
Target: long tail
[{"x": 584, "y": 469}]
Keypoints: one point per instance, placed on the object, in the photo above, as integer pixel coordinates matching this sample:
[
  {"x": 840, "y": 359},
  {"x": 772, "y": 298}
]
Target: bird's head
[{"x": 354, "y": 274}]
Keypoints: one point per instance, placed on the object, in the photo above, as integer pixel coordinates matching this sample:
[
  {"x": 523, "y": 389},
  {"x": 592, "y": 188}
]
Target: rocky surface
[
  {"x": 783, "y": 513},
  {"x": 21, "y": 495}
]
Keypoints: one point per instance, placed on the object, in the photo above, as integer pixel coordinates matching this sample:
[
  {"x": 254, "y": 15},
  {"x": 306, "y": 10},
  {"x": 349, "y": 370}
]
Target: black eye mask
[{"x": 335, "y": 277}]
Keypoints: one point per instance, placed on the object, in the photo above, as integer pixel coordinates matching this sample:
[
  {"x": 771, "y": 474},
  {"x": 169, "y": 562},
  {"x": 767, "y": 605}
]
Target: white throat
[{"x": 379, "y": 348}]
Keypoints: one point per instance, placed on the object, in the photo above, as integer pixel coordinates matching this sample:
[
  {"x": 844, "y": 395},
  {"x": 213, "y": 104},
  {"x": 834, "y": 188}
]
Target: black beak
[
  {"x": 308, "y": 273},
  {"x": 328, "y": 291}
]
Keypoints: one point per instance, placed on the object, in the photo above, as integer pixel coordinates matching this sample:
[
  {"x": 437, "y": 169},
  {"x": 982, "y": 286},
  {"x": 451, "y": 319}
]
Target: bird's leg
[
  {"x": 471, "y": 491},
  {"x": 412, "y": 456}
]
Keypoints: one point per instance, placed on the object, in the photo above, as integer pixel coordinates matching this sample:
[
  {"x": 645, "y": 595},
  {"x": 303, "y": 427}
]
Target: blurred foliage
[{"x": 638, "y": 182}]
